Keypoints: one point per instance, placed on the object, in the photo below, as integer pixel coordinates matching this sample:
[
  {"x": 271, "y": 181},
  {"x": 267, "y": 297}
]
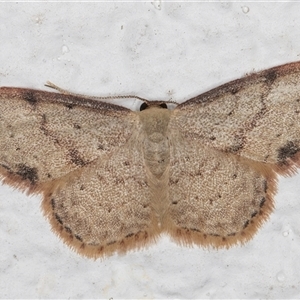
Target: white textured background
[{"x": 158, "y": 51}]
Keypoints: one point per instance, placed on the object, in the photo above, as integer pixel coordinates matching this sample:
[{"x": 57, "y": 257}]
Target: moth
[{"x": 113, "y": 179}]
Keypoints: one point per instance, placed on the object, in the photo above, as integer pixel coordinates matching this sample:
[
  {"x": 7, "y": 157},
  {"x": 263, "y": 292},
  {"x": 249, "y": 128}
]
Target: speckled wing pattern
[
  {"x": 234, "y": 140},
  {"x": 256, "y": 117},
  {"x": 216, "y": 198},
  {"x": 82, "y": 156},
  {"x": 113, "y": 179}
]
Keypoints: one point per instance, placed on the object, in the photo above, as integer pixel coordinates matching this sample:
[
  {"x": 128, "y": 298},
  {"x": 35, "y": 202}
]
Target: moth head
[{"x": 149, "y": 104}]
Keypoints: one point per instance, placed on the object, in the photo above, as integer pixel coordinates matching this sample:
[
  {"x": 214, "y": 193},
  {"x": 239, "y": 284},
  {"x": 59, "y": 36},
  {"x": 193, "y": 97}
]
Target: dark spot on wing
[
  {"x": 253, "y": 214},
  {"x": 231, "y": 234},
  {"x": 69, "y": 105},
  {"x": 237, "y": 146},
  {"x": 44, "y": 119},
  {"x": 93, "y": 244},
  {"x": 214, "y": 234},
  {"x": 262, "y": 202},
  {"x": 265, "y": 186},
  {"x": 43, "y": 125},
  {"x": 76, "y": 126},
  {"x": 53, "y": 203},
  {"x": 27, "y": 173},
  {"x": 234, "y": 148},
  {"x": 129, "y": 235},
  {"x": 29, "y": 97},
  {"x": 76, "y": 158},
  {"x": 78, "y": 238},
  {"x": 44, "y": 130},
  {"x": 111, "y": 243},
  {"x": 6, "y": 167},
  {"x": 58, "y": 219},
  {"x": 68, "y": 229},
  {"x": 172, "y": 181},
  {"x": 246, "y": 224},
  {"x": 234, "y": 90},
  {"x": 287, "y": 151},
  {"x": 271, "y": 76}
]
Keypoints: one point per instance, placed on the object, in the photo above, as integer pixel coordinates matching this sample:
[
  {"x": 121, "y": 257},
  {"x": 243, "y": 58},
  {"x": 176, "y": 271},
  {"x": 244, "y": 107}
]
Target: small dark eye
[
  {"x": 144, "y": 106},
  {"x": 163, "y": 105}
]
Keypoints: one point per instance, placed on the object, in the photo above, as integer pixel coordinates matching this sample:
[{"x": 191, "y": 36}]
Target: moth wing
[
  {"x": 106, "y": 207},
  {"x": 45, "y": 136},
  {"x": 84, "y": 156},
  {"x": 216, "y": 198},
  {"x": 257, "y": 117}
]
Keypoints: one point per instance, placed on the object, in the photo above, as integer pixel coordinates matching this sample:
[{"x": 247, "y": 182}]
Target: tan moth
[{"x": 113, "y": 179}]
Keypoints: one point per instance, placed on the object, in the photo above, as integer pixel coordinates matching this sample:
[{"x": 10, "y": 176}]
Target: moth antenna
[{"x": 65, "y": 92}]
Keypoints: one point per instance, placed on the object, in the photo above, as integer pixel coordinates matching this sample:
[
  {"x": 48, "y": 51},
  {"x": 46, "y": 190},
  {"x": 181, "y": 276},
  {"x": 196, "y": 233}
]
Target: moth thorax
[{"x": 157, "y": 153}]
